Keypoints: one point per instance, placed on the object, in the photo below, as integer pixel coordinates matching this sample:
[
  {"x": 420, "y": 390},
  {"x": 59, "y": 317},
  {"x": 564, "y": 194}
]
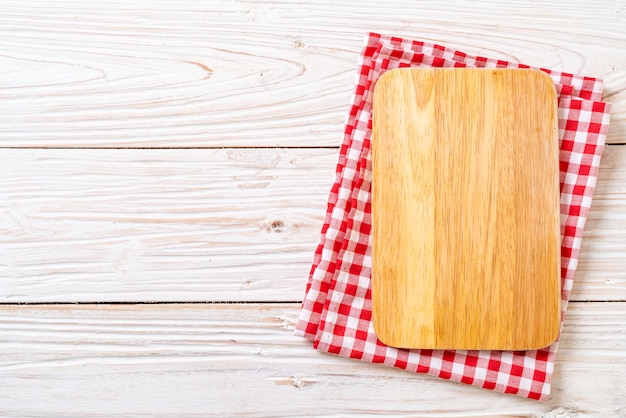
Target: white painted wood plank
[
  {"x": 160, "y": 225},
  {"x": 601, "y": 273},
  {"x": 206, "y": 225},
  {"x": 264, "y": 73},
  {"x": 224, "y": 360}
]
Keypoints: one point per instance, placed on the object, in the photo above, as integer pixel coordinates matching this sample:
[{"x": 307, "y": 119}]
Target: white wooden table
[{"x": 159, "y": 156}]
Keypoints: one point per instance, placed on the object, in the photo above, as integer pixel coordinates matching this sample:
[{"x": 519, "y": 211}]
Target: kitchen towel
[{"x": 336, "y": 310}]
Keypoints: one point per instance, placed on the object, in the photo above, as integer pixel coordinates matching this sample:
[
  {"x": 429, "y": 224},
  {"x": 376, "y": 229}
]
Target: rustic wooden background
[{"x": 160, "y": 156}]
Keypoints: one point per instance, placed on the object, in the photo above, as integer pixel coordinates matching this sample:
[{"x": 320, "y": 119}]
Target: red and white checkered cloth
[{"x": 336, "y": 311}]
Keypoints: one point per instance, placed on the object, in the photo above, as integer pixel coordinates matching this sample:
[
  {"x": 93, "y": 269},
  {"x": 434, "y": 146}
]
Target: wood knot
[
  {"x": 276, "y": 226},
  {"x": 295, "y": 381}
]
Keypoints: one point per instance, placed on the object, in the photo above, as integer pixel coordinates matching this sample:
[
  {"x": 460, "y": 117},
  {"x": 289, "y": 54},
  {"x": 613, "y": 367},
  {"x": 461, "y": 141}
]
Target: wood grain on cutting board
[{"x": 465, "y": 206}]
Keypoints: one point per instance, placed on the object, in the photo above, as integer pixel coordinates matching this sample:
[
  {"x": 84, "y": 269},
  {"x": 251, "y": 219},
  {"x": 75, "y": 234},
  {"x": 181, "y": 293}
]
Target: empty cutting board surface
[{"x": 465, "y": 209}]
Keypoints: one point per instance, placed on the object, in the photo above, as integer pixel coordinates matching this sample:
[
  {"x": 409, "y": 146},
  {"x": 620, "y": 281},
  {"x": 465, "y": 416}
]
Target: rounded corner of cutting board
[
  {"x": 381, "y": 330},
  {"x": 542, "y": 343},
  {"x": 543, "y": 78},
  {"x": 387, "y": 79},
  {"x": 435, "y": 334}
]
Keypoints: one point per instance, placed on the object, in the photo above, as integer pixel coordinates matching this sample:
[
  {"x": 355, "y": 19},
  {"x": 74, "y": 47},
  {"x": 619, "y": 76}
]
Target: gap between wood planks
[
  {"x": 220, "y": 302},
  {"x": 275, "y": 147},
  {"x": 200, "y": 302}
]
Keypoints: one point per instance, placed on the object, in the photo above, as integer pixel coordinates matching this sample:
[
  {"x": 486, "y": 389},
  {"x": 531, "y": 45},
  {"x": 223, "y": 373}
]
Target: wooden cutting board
[{"x": 465, "y": 209}]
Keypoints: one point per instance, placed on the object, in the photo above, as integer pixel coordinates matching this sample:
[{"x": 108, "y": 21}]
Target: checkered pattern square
[{"x": 336, "y": 310}]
